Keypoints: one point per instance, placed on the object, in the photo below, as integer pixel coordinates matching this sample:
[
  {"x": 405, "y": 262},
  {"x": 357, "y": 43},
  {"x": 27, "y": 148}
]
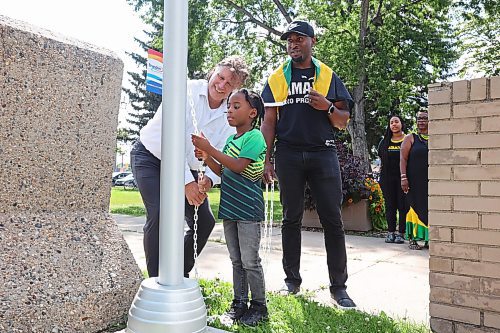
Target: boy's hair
[
  {"x": 236, "y": 64},
  {"x": 255, "y": 102}
]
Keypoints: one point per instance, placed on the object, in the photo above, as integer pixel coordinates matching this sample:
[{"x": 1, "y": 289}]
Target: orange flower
[
  {"x": 350, "y": 200},
  {"x": 370, "y": 197},
  {"x": 372, "y": 189},
  {"x": 377, "y": 209}
]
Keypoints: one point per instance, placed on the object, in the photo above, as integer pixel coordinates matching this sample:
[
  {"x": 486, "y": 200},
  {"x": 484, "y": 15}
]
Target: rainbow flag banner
[{"x": 154, "y": 76}]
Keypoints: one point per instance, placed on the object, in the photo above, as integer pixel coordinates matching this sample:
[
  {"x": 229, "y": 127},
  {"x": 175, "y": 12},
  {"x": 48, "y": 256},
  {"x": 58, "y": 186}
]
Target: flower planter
[{"x": 355, "y": 217}]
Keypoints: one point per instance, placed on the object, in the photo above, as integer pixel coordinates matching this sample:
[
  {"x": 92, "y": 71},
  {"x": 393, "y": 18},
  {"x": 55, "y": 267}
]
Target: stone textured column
[
  {"x": 64, "y": 266},
  {"x": 464, "y": 206}
]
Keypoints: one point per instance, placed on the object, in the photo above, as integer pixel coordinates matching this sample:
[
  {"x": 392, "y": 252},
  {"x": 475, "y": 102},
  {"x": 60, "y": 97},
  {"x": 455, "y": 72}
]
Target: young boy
[{"x": 241, "y": 166}]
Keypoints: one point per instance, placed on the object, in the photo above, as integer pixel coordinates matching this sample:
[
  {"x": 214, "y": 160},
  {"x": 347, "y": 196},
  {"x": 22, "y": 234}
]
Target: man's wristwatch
[{"x": 331, "y": 109}]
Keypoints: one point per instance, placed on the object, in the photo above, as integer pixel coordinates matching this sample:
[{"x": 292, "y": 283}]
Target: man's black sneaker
[
  {"x": 343, "y": 300},
  {"x": 390, "y": 237},
  {"x": 255, "y": 314},
  {"x": 292, "y": 289},
  {"x": 237, "y": 310}
]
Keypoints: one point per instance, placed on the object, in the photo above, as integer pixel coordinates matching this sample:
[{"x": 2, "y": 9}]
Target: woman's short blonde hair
[{"x": 236, "y": 64}]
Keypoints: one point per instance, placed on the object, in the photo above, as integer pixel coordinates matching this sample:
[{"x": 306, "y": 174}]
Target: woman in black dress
[
  {"x": 414, "y": 181},
  {"x": 390, "y": 179}
]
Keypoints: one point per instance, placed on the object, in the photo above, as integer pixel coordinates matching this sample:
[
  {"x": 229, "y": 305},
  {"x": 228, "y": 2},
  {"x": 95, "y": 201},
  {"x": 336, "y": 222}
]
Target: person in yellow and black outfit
[
  {"x": 414, "y": 166},
  {"x": 304, "y": 100},
  {"x": 394, "y": 198}
]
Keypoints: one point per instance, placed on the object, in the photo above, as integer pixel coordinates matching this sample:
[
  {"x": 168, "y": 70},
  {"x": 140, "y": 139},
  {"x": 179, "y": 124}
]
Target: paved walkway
[{"x": 382, "y": 277}]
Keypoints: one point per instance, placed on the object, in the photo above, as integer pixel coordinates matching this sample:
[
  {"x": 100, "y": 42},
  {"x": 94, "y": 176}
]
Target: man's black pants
[
  {"x": 146, "y": 170},
  {"x": 322, "y": 172}
]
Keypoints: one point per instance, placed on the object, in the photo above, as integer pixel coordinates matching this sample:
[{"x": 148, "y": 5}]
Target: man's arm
[
  {"x": 338, "y": 111},
  {"x": 339, "y": 115},
  {"x": 268, "y": 129}
]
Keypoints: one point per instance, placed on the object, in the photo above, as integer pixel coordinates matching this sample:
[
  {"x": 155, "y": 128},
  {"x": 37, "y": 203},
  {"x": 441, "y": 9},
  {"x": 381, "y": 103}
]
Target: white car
[
  {"x": 119, "y": 175},
  {"x": 127, "y": 181}
]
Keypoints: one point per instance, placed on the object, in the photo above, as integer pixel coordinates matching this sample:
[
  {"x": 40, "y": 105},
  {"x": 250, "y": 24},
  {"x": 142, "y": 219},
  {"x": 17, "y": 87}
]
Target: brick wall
[{"x": 464, "y": 206}]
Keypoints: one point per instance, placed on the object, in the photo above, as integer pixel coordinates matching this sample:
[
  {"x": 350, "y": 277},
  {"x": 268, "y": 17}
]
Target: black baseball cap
[{"x": 299, "y": 27}]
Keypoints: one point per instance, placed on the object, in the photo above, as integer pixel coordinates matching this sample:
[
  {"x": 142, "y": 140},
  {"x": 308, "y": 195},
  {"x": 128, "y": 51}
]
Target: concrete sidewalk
[{"x": 382, "y": 277}]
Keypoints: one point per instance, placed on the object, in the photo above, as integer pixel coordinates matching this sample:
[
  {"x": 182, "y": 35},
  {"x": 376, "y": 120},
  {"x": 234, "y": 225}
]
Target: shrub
[
  {"x": 356, "y": 185},
  {"x": 376, "y": 207}
]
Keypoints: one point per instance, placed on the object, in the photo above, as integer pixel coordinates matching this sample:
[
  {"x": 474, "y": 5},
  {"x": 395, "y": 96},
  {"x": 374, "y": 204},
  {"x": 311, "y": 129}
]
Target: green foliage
[
  {"x": 144, "y": 103},
  {"x": 479, "y": 31},
  {"x": 300, "y": 314},
  {"x": 129, "y": 210},
  {"x": 376, "y": 207},
  {"x": 408, "y": 46}
]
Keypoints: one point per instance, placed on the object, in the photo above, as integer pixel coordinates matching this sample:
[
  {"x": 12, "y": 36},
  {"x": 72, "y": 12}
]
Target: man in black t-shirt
[{"x": 304, "y": 100}]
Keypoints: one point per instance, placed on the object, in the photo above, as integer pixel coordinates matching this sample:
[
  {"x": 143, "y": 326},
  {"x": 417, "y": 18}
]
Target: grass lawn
[
  {"x": 294, "y": 314},
  {"x": 299, "y": 314},
  {"x": 129, "y": 202}
]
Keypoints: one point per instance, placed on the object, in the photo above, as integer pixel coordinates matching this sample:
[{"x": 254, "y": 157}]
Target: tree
[
  {"x": 479, "y": 33},
  {"x": 145, "y": 103},
  {"x": 386, "y": 51}
]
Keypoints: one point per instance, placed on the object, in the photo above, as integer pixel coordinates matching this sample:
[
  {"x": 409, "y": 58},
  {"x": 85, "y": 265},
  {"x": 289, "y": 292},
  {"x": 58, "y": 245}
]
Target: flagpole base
[{"x": 167, "y": 309}]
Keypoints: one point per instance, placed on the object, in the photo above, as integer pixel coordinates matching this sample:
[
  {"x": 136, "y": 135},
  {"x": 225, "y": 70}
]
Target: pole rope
[{"x": 201, "y": 172}]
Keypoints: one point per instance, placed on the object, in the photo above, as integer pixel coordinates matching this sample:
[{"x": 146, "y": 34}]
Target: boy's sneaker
[
  {"x": 237, "y": 310},
  {"x": 390, "y": 237},
  {"x": 398, "y": 239},
  {"x": 255, "y": 314}
]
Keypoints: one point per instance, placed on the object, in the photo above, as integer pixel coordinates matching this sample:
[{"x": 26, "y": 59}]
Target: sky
[{"x": 111, "y": 24}]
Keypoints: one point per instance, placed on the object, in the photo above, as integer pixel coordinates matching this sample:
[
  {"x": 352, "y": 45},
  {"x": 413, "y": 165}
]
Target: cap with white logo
[{"x": 298, "y": 27}]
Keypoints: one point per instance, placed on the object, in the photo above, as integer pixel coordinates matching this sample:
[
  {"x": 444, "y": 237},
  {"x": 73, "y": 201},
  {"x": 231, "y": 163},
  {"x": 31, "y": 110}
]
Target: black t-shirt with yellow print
[{"x": 300, "y": 126}]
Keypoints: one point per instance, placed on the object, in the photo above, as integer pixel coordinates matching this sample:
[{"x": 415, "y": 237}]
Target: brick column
[{"x": 464, "y": 206}]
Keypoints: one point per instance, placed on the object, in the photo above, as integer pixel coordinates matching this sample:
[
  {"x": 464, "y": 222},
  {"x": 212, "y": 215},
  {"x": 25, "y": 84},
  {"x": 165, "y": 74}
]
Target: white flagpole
[
  {"x": 175, "y": 47},
  {"x": 171, "y": 303}
]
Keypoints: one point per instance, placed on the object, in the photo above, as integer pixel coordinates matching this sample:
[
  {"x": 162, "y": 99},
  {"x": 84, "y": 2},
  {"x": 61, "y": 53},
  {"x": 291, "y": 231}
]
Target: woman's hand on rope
[
  {"x": 269, "y": 174},
  {"x": 193, "y": 194},
  {"x": 204, "y": 184},
  {"x": 200, "y": 154}
]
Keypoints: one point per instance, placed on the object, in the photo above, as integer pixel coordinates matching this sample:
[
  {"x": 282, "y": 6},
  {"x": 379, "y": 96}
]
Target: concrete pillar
[{"x": 64, "y": 265}]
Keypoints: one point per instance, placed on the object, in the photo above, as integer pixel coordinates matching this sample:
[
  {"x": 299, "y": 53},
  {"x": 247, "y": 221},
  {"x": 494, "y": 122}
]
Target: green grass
[
  {"x": 129, "y": 202},
  {"x": 299, "y": 314}
]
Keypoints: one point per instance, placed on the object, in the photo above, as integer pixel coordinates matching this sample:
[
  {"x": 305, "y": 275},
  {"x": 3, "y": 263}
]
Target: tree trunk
[{"x": 356, "y": 126}]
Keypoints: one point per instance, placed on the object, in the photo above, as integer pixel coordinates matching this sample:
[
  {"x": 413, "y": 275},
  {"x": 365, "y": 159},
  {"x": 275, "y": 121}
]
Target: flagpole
[
  {"x": 175, "y": 31},
  {"x": 171, "y": 303}
]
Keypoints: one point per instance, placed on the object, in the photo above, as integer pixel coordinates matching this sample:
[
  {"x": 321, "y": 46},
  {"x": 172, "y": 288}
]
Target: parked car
[
  {"x": 119, "y": 175},
  {"x": 128, "y": 181}
]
